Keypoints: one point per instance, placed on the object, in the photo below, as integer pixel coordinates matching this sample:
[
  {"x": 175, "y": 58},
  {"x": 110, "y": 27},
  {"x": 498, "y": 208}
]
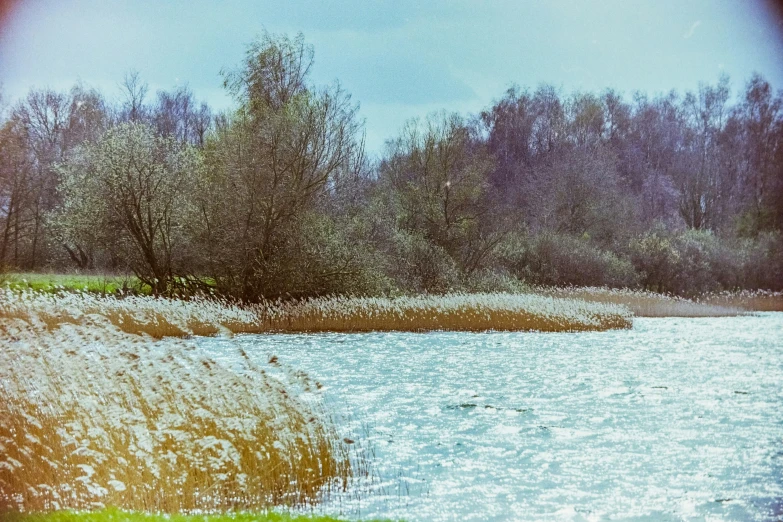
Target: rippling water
[{"x": 676, "y": 419}]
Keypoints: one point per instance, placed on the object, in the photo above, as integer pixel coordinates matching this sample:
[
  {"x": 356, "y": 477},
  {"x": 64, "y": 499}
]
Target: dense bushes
[
  {"x": 686, "y": 262},
  {"x": 693, "y": 262},
  {"x": 550, "y": 259}
]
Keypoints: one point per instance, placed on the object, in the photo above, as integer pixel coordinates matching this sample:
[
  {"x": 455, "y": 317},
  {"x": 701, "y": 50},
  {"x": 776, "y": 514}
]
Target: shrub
[
  {"x": 559, "y": 260},
  {"x": 694, "y": 262}
]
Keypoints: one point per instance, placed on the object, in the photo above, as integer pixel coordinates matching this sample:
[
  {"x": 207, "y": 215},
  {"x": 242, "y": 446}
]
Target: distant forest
[{"x": 276, "y": 198}]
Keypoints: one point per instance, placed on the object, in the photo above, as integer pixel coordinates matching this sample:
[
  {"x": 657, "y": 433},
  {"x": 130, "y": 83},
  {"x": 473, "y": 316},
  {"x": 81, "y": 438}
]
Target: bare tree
[
  {"x": 134, "y": 92},
  {"x": 698, "y": 177}
]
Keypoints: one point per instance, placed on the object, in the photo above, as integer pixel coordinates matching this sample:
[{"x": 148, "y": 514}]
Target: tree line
[{"x": 276, "y": 197}]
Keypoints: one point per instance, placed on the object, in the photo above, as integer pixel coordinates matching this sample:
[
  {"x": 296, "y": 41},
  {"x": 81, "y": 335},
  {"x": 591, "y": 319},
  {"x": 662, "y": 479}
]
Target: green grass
[
  {"x": 93, "y": 283},
  {"x": 115, "y": 515}
]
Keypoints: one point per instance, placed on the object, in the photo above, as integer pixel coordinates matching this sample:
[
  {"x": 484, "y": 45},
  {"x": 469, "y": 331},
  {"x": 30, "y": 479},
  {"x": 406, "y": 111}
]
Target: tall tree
[
  {"x": 440, "y": 178},
  {"x": 270, "y": 161}
]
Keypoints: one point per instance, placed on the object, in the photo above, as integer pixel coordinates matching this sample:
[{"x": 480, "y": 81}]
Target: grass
[
  {"x": 92, "y": 283},
  {"x": 91, "y": 416},
  {"x": 114, "y": 515}
]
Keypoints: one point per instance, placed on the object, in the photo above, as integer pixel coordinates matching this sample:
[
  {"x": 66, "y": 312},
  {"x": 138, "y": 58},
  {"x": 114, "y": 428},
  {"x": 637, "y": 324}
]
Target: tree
[
  {"x": 439, "y": 178},
  {"x": 177, "y": 114},
  {"x": 762, "y": 115},
  {"x": 699, "y": 176},
  {"x": 42, "y": 118},
  {"x": 134, "y": 91},
  {"x": 130, "y": 192},
  {"x": 509, "y": 124},
  {"x": 269, "y": 164},
  {"x": 16, "y": 193},
  {"x": 586, "y": 120}
]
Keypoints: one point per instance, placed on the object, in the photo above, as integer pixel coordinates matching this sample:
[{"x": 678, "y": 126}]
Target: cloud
[{"x": 692, "y": 29}]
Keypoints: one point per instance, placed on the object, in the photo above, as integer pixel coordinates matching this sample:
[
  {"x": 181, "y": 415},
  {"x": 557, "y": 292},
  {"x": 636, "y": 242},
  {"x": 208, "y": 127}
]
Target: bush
[
  {"x": 694, "y": 262},
  {"x": 420, "y": 266},
  {"x": 559, "y": 260}
]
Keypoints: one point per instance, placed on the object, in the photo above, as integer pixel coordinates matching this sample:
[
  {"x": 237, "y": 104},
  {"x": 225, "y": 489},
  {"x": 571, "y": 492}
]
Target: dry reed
[
  {"x": 755, "y": 301},
  {"x": 647, "y": 304},
  {"x": 458, "y": 312},
  {"x": 91, "y": 416},
  {"x": 453, "y": 312}
]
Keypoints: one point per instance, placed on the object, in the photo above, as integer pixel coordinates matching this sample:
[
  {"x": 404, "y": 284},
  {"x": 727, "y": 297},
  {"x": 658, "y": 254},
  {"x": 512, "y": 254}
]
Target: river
[{"x": 675, "y": 419}]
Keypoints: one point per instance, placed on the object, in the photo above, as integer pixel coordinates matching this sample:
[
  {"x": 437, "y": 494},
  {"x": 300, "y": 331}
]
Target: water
[{"x": 676, "y": 419}]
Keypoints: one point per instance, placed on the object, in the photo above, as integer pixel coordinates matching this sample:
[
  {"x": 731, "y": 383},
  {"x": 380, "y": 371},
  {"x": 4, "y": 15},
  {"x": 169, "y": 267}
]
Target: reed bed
[
  {"x": 148, "y": 315},
  {"x": 92, "y": 416},
  {"x": 458, "y": 312},
  {"x": 454, "y": 312},
  {"x": 755, "y": 301},
  {"x": 647, "y": 304}
]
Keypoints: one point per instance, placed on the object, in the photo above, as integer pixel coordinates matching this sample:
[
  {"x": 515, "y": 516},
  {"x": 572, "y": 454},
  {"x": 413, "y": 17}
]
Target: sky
[{"x": 399, "y": 59}]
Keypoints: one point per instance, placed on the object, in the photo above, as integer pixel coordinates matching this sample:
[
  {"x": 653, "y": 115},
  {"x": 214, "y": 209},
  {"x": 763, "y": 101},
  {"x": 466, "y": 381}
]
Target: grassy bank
[
  {"x": 93, "y": 416},
  {"x": 113, "y": 515},
  {"x": 92, "y": 283}
]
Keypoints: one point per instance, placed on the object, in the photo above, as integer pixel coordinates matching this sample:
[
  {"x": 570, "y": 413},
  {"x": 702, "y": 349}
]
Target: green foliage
[
  {"x": 96, "y": 284},
  {"x": 270, "y": 167},
  {"x": 754, "y": 222},
  {"x": 422, "y": 266},
  {"x": 438, "y": 179},
  {"x": 131, "y": 193},
  {"x": 694, "y": 262},
  {"x": 550, "y": 259}
]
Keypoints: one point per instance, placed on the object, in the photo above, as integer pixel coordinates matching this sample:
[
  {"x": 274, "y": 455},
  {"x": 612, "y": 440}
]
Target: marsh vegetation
[{"x": 93, "y": 416}]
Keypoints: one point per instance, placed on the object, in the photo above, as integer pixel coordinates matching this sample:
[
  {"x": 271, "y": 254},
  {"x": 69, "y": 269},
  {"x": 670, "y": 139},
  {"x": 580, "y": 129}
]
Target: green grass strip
[{"x": 117, "y": 515}]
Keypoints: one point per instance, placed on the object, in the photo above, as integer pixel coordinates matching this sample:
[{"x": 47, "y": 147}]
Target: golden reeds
[
  {"x": 453, "y": 312},
  {"x": 757, "y": 301},
  {"x": 646, "y": 304},
  {"x": 91, "y": 416},
  {"x": 457, "y": 312}
]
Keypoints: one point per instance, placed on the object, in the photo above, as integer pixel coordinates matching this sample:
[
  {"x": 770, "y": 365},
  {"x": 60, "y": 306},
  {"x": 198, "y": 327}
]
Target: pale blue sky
[{"x": 401, "y": 58}]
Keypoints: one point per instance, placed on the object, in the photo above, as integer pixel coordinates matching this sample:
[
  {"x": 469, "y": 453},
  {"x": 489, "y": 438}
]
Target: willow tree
[
  {"x": 438, "y": 175},
  {"x": 270, "y": 162},
  {"x": 130, "y": 193}
]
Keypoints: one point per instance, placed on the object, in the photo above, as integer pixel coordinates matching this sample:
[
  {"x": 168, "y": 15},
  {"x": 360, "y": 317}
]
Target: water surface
[{"x": 676, "y": 419}]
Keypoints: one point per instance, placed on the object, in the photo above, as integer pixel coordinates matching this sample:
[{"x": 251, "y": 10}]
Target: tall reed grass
[
  {"x": 92, "y": 416},
  {"x": 458, "y": 312},
  {"x": 647, "y": 304},
  {"x": 757, "y": 301},
  {"x": 454, "y": 312}
]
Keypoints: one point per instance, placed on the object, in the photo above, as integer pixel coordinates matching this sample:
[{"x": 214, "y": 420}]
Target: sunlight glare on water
[{"x": 676, "y": 419}]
